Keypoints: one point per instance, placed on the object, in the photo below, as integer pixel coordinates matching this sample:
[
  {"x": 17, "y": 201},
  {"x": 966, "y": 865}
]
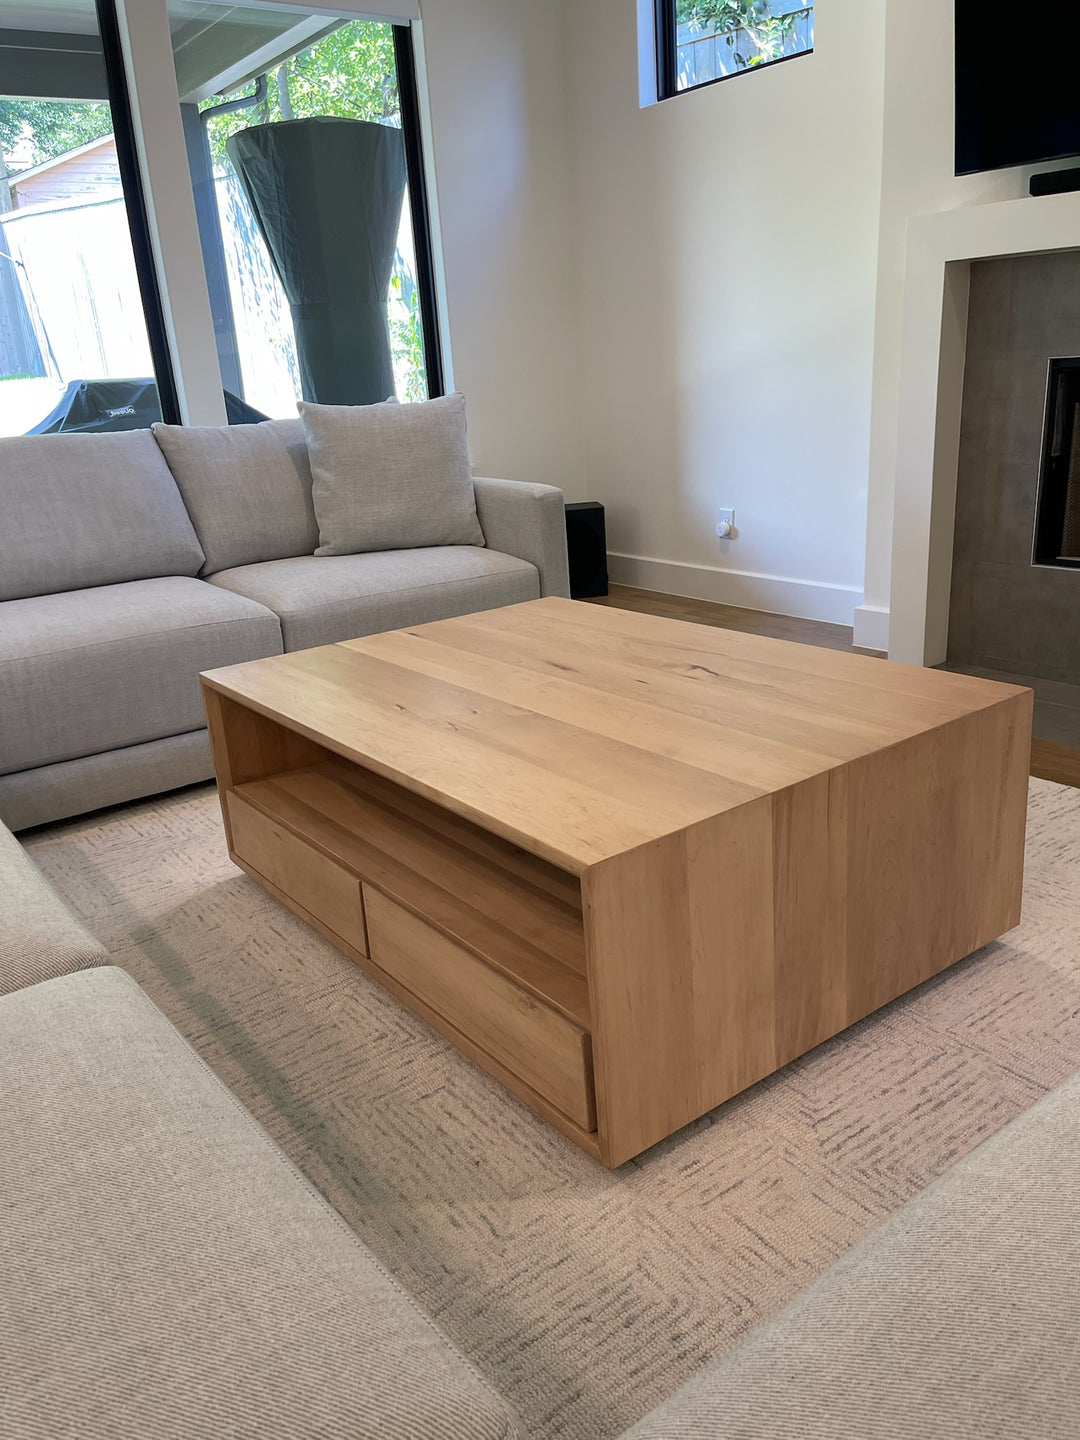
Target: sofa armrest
[
  {"x": 528, "y": 521},
  {"x": 39, "y": 938}
]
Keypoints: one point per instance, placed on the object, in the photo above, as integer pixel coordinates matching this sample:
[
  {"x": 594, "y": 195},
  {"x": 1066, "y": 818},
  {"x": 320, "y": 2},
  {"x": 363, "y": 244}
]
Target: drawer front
[
  {"x": 538, "y": 1044},
  {"x": 321, "y": 886}
]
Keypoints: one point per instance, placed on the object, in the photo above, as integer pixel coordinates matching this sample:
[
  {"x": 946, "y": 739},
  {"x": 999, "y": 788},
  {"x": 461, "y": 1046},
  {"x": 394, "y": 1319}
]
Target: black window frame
[
  {"x": 667, "y": 52},
  {"x": 420, "y": 210},
  {"x": 138, "y": 214}
]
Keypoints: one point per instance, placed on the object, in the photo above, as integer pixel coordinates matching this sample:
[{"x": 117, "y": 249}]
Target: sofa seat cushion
[
  {"x": 39, "y": 938},
  {"x": 92, "y": 670},
  {"x": 78, "y": 510},
  {"x": 325, "y": 598},
  {"x": 169, "y": 1273}
]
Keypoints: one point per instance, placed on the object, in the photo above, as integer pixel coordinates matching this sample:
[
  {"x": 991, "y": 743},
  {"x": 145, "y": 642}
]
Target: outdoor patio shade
[{"x": 327, "y": 196}]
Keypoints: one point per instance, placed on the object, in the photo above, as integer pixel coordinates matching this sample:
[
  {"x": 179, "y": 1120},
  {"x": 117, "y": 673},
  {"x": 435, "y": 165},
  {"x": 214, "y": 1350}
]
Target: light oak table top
[{"x": 580, "y": 732}]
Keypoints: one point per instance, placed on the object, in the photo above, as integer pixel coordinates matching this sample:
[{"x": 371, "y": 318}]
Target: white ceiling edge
[{"x": 67, "y": 17}]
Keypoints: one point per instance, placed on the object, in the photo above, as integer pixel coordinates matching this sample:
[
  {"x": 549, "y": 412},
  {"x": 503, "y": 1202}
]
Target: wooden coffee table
[{"x": 628, "y": 865}]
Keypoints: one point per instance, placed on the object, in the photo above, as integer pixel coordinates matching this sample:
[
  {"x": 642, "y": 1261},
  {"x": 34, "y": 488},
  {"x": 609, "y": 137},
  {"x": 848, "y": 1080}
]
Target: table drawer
[
  {"x": 318, "y": 884},
  {"x": 542, "y": 1047}
]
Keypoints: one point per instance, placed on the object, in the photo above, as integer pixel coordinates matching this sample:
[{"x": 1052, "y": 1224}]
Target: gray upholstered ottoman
[
  {"x": 167, "y": 1272},
  {"x": 39, "y": 939}
]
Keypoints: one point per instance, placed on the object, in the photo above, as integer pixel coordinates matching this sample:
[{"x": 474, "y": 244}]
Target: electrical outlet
[{"x": 725, "y": 523}]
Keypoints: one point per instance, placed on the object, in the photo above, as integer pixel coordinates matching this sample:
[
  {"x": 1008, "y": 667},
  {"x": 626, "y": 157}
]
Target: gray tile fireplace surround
[{"x": 1010, "y": 619}]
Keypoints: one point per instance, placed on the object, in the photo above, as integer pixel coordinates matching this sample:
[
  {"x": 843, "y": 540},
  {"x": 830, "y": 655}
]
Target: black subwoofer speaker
[{"x": 586, "y": 542}]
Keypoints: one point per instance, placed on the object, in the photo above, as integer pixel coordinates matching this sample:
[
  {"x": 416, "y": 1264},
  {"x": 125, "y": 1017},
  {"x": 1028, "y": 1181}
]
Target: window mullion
[
  {"x": 666, "y": 80},
  {"x": 170, "y": 206}
]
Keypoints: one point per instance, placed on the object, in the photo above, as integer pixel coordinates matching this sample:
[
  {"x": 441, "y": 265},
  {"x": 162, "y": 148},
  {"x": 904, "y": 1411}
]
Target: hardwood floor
[
  {"x": 1055, "y": 762},
  {"x": 1060, "y": 763},
  {"x": 733, "y": 617}
]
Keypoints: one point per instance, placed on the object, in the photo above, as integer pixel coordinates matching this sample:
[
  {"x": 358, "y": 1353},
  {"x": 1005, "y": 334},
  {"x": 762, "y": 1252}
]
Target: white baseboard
[
  {"x": 871, "y": 627},
  {"x": 808, "y": 599}
]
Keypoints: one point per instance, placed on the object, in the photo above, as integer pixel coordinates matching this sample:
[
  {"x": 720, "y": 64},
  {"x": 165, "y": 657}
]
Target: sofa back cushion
[
  {"x": 247, "y": 489},
  {"x": 84, "y": 510},
  {"x": 391, "y": 477}
]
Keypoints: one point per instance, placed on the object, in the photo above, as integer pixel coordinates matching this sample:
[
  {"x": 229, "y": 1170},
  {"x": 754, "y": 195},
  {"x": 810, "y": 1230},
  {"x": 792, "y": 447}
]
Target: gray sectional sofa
[{"x": 124, "y": 573}]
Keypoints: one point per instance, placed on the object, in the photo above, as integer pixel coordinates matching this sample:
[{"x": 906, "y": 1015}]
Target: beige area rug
[{"x": 585, "y": 1296}]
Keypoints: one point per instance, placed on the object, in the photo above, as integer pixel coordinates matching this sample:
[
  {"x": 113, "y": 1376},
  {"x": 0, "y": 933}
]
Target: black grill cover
[{"x": 89, "y": 406}]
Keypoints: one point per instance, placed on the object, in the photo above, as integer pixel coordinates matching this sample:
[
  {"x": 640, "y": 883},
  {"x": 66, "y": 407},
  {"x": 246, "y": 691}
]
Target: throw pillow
[
  {"x": 391, "y": 477},
  {"x": 247, "y": 489}
]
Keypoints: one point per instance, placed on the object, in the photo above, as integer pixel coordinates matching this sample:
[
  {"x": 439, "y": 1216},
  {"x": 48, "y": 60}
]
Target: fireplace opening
[{"x": 1057, "y": 516}]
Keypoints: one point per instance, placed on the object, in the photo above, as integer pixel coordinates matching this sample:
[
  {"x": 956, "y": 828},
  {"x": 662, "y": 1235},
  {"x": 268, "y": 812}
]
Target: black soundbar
[{"x": 1055, "y": 182}]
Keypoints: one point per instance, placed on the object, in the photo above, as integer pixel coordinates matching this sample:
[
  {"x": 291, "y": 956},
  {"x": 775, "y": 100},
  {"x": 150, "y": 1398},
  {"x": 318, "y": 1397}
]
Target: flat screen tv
[{"x": 1017, "y": 84}]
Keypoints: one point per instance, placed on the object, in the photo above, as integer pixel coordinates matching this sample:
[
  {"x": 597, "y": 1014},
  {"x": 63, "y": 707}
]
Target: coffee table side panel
[
  {"x": 724, "y": 951},
  {"x": 936, "y": 844},
  {"x": 249, "y": 746},
  {"x": 680, "y": 956}
]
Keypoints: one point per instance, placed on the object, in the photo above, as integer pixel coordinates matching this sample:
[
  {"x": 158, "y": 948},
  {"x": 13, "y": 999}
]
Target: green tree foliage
[
  {"x": 753, "y": 19},
  {"x": 350, "y": 73},
  {"x": 406, "y": 334},
  {"x": 720, "y": 15},
  {"x": 53, "y": 126}
]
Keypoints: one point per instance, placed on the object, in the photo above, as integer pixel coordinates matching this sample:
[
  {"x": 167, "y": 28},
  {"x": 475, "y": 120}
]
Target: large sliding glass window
[
  {"x": 305, "y": 179},
  {"x": 75, "y": 350}
]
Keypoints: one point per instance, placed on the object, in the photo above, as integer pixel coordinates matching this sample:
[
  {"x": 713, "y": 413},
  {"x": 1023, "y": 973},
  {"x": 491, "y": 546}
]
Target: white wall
[
  {"x": 917, "y": 179},
  {"x": 696, "y": 304},
  {"x": 727, "y": 251},
  {"x": 497, "y": 84}
]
